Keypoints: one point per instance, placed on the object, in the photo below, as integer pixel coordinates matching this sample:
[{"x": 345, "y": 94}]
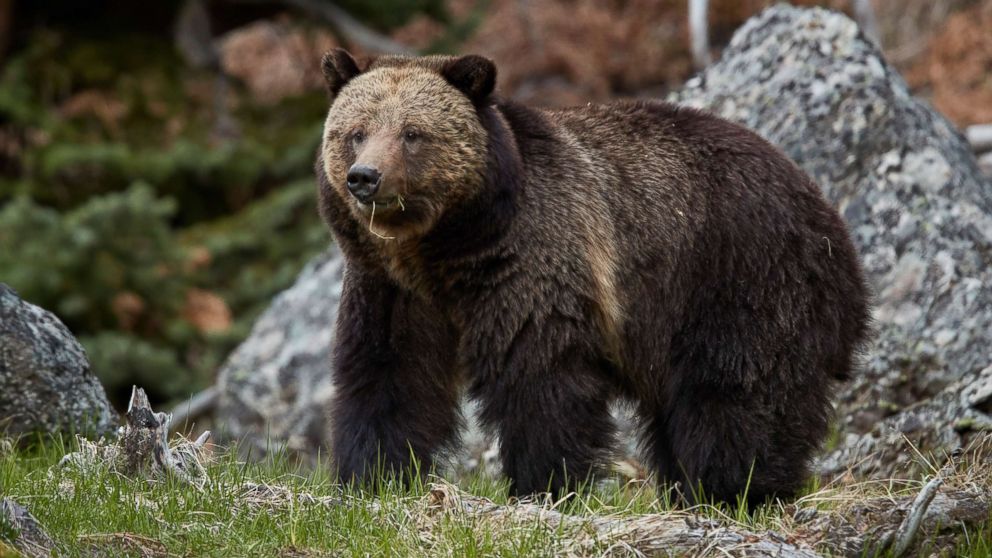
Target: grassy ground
[{"x": 275, "y": 509}]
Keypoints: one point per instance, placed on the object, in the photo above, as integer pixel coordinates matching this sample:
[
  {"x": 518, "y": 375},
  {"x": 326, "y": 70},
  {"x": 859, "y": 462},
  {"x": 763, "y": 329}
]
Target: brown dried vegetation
[
  {"x": 275, "y": 59},
  {"x": 955, "y": 70},
  {"x": 566, "y": 52}
]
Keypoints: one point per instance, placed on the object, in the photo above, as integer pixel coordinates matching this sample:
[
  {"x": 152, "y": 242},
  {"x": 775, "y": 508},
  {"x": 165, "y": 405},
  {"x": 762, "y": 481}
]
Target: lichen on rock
[
  {"x": 276, "y": 386},
  {"x": 46, "y": 385}
]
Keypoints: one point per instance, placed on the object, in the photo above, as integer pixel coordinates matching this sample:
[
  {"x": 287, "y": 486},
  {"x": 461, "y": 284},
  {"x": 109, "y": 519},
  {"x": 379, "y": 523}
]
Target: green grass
[
  {"x": 225, "y": 518},
  {"x": 276, "y": 508}
]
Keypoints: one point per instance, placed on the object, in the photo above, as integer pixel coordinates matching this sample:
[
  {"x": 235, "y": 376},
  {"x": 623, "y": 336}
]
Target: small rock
[
  {"x": 21, "y": 530},
  {"x": 980, "y": 395}
]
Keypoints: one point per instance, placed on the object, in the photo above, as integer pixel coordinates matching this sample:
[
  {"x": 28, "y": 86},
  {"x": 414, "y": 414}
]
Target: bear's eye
[
  {"x": 411, "y": 135},
  {"x": 358, "y": 136}
]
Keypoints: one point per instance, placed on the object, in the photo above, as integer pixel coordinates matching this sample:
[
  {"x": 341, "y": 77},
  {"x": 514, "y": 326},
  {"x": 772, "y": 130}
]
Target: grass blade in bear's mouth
[{"x": 387, "y": 203}]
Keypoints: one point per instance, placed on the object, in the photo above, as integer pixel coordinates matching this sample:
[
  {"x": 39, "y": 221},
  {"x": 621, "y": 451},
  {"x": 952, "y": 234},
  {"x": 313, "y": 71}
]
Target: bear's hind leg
[
  {"x": 657, "y": 447},
  {"x": 729, "y": 447}
]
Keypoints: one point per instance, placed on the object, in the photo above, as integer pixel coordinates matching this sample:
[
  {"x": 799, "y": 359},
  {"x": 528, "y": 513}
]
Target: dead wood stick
[
  {"x": 148, "y": 432},
  {"x": 901, "y": 538},
  {"x": 352, "y": 29},
  {"x": 699, "y": 33},
  {"x": 907, "y": 530}
]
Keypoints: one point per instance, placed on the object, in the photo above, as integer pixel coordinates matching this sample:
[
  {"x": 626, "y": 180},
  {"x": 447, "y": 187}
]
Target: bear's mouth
[{"x": 385, "y": 204}]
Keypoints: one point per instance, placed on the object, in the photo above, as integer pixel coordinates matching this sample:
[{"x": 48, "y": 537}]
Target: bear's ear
[
  {"x": 471, "y": 74},
  {"x": 338, "y": 68}
]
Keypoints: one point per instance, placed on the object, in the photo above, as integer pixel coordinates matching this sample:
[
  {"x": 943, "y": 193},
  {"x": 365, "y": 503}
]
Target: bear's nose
[{"x": 363, "y": 182}]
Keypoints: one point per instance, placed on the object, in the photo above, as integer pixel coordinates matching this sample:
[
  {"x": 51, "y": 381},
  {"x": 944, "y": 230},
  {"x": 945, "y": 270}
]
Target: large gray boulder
[
  {"x": 45, "y": 380},
  {"x": 918, "y": 208},
  {"x": 274, "y": 388}
]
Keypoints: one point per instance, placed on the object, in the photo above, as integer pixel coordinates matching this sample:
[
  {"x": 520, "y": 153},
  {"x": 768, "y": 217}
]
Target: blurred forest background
[{"x": 156, "y": 157}]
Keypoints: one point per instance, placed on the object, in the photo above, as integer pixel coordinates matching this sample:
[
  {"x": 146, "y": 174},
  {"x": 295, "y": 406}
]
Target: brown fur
[{"x": 557, "y": 260}]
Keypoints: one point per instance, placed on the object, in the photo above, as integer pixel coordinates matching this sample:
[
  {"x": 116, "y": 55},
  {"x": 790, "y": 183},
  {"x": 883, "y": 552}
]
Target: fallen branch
[
  {"x": 911, "y": 525},
  {"x": 900, "y": 539},
  {"x": 675, "y": 533},
  {"x": 352, "y": 29},
  {"x": 891, "y": 525},
  {"x": 699, "y": 33},
  {"x": 851, "y": 529}
]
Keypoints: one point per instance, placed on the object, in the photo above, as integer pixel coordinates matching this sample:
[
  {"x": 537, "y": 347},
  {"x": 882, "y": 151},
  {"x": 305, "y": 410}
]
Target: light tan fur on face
[
  {"x": 383, "y": 103},
  {"x": 432, "y": 175}
]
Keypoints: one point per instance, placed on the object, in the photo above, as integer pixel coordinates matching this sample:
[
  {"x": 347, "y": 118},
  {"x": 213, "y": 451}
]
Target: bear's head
[{"x": 403, "y": 141}]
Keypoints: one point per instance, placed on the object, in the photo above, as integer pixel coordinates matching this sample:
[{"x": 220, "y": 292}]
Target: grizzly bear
[{"x": 549, "y": 262}]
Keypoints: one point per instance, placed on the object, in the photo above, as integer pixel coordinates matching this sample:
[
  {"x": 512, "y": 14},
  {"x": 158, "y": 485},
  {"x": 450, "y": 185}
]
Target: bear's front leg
[
  {"x": 552, "y": 416},
  {"x": 396, "y": 392}
]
